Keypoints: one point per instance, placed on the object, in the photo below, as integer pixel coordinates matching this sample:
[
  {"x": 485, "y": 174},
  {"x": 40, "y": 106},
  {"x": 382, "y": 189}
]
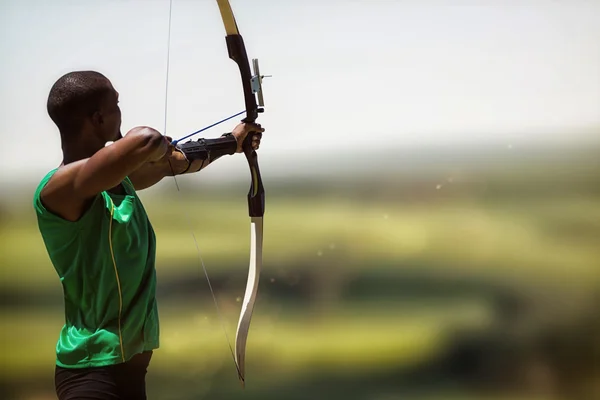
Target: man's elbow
[{"x": 152, "y": 143}]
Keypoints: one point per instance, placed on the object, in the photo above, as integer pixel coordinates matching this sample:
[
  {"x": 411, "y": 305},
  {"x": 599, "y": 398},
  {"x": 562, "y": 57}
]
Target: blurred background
[{"x": 432, "y": 222}]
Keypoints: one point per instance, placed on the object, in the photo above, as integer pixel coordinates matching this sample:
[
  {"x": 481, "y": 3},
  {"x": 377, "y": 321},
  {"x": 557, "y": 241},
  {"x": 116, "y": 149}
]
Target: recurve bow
[{"x": 252, "y": 87}]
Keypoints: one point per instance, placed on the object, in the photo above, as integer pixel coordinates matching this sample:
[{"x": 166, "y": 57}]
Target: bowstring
[{"x": 180, "y": 194}]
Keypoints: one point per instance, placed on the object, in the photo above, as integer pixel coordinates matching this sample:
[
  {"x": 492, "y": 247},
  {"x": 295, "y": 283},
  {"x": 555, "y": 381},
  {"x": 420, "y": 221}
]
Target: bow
[{"x": 252, "y": 86}]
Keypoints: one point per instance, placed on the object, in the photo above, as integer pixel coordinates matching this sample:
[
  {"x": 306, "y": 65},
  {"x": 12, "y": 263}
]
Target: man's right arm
[{"x": 71, "y": 189}]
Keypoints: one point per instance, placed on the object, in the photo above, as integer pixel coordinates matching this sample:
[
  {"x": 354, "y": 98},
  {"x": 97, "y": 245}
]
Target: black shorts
[{"x": 114, "y": 382}]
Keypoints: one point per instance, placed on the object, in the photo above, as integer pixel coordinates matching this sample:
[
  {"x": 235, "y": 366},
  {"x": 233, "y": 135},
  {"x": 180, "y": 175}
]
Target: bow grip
[{"x": 247, "y": 143}]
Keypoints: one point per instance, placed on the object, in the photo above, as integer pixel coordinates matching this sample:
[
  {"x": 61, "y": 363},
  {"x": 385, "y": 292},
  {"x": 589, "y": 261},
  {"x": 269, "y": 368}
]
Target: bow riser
[{"x": 237, "y": 52}]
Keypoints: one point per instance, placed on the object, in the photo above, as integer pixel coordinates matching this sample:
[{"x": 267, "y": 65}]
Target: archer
[{"x": 99, "y": 238}]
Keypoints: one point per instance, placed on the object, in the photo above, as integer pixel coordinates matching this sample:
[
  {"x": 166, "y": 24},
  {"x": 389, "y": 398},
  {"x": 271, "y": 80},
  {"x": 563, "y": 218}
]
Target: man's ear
[{"x": 97, "y": 119}]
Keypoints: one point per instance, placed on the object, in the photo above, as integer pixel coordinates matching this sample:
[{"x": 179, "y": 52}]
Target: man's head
[{"x": 83, "y": 103}]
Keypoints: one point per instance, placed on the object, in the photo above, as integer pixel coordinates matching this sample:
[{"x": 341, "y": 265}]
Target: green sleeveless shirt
[{"x": 105, "y": 262}]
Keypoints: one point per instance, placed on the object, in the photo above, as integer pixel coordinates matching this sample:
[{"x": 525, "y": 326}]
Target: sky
[{"x": 347, "y": 75}]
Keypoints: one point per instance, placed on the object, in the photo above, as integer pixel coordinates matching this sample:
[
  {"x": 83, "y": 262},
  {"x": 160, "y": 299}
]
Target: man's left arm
[
  {"x": 173, "y": 163},
  {"x": 194, "y": 156}
]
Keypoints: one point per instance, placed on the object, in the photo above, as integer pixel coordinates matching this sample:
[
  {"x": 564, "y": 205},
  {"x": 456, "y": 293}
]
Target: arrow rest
[{"x": 256, "y": 83}]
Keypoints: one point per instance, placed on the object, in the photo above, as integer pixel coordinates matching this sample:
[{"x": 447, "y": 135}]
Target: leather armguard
[{"x": 209, "y": 149}]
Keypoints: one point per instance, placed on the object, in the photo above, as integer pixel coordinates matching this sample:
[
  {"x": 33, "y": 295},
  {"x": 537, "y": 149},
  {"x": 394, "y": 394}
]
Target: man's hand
[{"x": 242, "y": 130}]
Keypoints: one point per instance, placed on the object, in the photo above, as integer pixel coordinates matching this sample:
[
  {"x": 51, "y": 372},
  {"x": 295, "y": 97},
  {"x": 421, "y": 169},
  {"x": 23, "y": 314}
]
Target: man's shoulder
[
  {"x": 45, "y": 214},
  {"x": 41, "y": 184}
]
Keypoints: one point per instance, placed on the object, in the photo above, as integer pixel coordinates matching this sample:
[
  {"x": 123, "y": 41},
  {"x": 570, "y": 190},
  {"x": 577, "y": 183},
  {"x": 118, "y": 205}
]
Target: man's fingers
[
  {"x": 256, "y": 142},
  {"x": 256, "y": 136},
  {"x": 254, "y": 128}
]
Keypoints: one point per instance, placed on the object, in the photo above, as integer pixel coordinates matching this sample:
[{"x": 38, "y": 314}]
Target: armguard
[{"x": 209, "y": 149}]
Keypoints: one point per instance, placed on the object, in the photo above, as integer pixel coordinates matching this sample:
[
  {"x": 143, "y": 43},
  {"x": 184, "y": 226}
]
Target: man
[{"x": 99, "y": 238}]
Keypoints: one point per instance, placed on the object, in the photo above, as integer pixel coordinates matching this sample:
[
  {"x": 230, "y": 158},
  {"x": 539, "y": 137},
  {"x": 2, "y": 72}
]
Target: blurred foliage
[{"x": 447, "y": 276}]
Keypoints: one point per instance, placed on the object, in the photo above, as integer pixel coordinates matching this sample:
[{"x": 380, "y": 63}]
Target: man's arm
[
  {"x": 193, "y": 157},
  {"x": 71, "y": 189},
  {"x": 172, "y": 163}
]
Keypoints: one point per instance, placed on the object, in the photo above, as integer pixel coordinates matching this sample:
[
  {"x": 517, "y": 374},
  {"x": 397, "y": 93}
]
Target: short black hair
[{"x": 75, "y": 96}]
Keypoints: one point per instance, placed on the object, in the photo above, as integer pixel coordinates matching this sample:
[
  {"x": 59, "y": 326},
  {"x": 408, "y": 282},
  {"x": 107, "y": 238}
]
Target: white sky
[{"x": 405, "y": 72}]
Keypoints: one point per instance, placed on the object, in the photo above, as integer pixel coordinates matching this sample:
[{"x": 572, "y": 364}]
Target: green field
[{"x": 360, "y": 297}]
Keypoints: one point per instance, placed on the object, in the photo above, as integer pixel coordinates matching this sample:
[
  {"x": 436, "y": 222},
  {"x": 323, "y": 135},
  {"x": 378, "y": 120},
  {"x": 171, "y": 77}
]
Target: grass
[
  {"x": 356, "y": 338},
  {"x": 553, "y": 239}
]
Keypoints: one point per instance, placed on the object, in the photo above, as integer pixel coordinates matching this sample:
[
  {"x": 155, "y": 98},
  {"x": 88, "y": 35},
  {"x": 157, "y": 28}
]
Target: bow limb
[{"x": 256, "y": 195}]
